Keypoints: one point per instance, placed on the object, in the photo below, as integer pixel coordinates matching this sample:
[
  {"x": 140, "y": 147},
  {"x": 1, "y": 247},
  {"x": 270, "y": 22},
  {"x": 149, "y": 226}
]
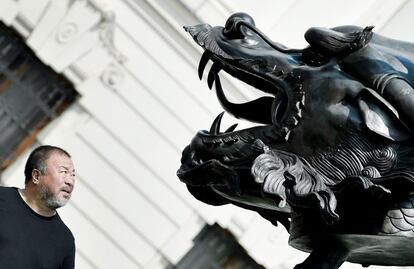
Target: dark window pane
[
  {"x": 31, "y": 95},
  {"x": 216, "y": 248}
]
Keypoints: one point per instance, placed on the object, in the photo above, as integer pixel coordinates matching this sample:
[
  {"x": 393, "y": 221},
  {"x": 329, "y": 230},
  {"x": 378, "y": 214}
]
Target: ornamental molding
[
  {"x": 112, "y": 76},
  {"x": 106, "y": 36}
]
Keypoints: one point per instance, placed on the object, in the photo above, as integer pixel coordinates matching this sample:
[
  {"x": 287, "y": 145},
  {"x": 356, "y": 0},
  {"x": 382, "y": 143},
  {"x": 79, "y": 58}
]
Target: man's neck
[{"x": 36, "y": 204}]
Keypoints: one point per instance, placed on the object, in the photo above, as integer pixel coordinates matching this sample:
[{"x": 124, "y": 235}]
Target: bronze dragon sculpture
[{"x": 333, "y": 156}]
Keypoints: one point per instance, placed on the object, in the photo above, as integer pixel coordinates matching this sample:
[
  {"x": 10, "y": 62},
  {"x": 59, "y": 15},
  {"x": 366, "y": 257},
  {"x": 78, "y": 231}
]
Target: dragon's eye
[{"x": 233, "y": 25}]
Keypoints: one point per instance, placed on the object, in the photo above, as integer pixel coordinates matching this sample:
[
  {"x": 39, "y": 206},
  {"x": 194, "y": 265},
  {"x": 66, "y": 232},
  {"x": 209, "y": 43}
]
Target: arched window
[{"x": 31, "y": 95}]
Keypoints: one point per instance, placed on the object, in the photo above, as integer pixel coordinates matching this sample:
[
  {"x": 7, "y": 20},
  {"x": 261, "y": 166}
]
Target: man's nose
[{"x": 70, "y": 181}]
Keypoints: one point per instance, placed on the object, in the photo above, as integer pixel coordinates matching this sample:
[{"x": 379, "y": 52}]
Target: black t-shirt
[{"x": 29, "y": 240}]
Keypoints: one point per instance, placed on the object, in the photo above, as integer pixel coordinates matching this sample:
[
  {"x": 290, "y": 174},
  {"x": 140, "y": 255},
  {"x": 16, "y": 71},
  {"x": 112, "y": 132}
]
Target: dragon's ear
[
  {"x": 342, "y": 42},
  {"x": 381, "y": 117}
]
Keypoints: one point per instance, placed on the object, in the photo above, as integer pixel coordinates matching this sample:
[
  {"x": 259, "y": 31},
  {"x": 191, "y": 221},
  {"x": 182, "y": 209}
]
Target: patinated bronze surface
[{"x": 333, "y": 157}]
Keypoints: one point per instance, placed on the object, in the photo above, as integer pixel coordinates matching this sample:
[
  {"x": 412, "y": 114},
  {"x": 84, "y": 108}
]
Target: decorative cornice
[
  {"x": 66, "y": 32},
  {"x": 106, "y": 36},
  {"x": 112, "y": 76}
]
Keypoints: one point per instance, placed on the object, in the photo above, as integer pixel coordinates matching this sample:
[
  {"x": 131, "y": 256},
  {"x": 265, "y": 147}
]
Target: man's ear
[{"x": 35, "y": 176}]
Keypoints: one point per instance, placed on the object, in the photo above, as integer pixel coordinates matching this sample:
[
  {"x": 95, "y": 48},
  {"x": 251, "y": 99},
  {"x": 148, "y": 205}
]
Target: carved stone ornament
[
  {"x": 112, "y": 76},
  {"x": 106, "y": 35},
  {"x": 333, "y": 157},
  {"x": 66, "y": 32}
]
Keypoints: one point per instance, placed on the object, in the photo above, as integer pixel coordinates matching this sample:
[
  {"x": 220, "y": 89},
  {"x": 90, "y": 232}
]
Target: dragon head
[
  {"x": 312, "y": 109},
  {"x": 219, "y": 163}
]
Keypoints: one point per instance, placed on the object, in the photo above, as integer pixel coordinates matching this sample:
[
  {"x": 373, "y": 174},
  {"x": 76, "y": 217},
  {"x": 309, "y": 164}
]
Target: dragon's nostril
[{"x": 232, "y": 28}]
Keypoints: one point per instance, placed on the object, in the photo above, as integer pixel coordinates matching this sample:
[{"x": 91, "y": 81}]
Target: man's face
[{"x": 56, "y": 184}]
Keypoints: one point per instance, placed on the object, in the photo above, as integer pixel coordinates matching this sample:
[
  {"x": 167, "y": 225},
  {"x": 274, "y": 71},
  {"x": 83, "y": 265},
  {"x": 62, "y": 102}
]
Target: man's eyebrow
[{"x": 66, "y": 168}]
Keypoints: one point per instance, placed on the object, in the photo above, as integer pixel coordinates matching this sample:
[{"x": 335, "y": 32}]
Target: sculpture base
[{"x": 367, "y": 250}]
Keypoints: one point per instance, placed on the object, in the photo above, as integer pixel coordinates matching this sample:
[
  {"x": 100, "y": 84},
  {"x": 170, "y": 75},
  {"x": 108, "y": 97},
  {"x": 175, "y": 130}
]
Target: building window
[
  {"x": 31, "y": 95},
  {"x": 216, "y": 248}
]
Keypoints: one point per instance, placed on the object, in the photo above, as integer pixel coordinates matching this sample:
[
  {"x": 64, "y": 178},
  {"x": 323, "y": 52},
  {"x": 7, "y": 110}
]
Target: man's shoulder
[
  {"x": 65, "y": 229},
  {"x": 9, "y": 200},
  {"x": 66, "y": 236},
  {"x": 7, "y": 190}
]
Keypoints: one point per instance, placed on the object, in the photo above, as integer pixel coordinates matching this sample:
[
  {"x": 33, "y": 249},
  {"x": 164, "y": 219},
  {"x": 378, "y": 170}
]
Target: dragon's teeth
[
  {"x": 215, "y": 127},
  {"x": 203, "y": 62},
  {"x": 212, "y": 74},
  {"x": 231, "y": 128}
]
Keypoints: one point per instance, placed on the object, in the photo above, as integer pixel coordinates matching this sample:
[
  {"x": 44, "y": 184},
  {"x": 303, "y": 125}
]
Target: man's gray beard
[{"x": 50, "y": 200}]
